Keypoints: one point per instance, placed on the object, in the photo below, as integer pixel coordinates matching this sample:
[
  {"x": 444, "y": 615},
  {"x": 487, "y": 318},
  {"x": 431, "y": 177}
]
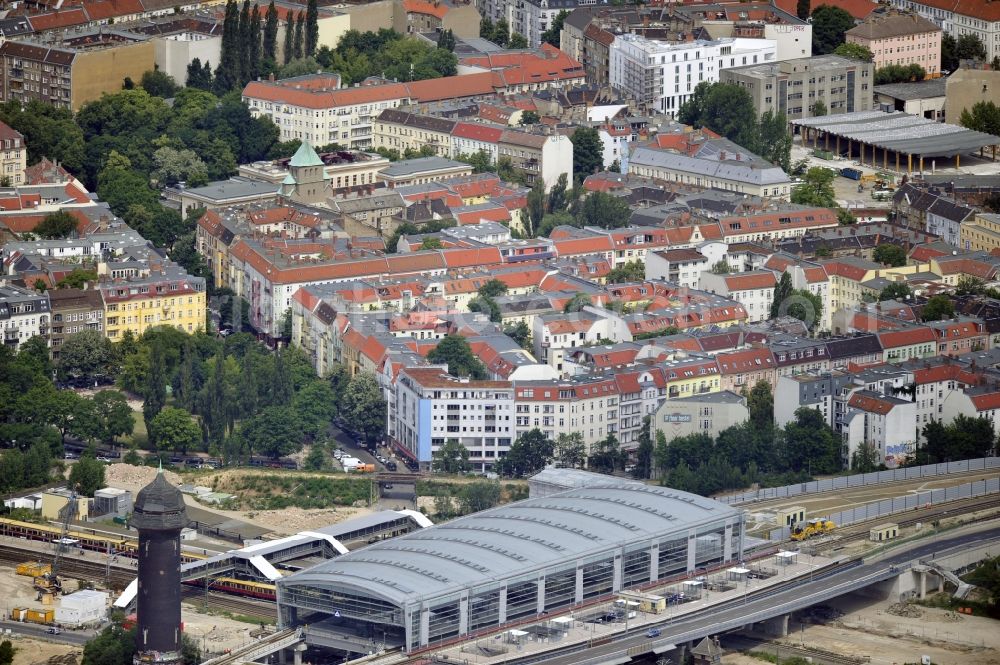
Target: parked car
[{"x": 391, "y": 466}]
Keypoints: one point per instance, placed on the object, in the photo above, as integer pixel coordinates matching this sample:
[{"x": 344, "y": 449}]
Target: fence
[
  {"x": 862, "y": 479},
  {"x": 886, "y": 507}
]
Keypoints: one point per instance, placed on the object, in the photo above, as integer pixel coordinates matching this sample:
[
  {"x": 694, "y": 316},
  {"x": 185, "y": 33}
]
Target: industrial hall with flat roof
[{"x": 515, "y": 561}]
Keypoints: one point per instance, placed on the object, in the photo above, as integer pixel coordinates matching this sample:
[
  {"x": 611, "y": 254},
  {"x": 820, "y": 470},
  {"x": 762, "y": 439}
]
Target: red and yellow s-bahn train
[{"x": 126, "y": 546}]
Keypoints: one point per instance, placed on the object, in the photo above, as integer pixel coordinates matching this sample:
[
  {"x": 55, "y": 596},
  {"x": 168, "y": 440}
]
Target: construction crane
[{"x": 49, "y": 584}]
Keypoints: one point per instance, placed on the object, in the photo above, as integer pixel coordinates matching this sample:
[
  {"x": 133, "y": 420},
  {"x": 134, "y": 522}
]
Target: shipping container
[
  {"x": 32, "y": 616},
  {"x": 33, "y": 569},
  {"x": 853, "y": 174}
]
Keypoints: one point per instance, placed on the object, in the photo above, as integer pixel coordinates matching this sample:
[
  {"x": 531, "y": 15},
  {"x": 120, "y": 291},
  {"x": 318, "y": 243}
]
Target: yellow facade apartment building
[
  {"x": 982, "y": 233},
  {"x": 167, "y": 298}
]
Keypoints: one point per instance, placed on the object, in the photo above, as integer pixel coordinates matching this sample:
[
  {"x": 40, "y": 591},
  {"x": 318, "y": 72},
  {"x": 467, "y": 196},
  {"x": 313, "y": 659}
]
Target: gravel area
[{"x": 134, "y": 478}]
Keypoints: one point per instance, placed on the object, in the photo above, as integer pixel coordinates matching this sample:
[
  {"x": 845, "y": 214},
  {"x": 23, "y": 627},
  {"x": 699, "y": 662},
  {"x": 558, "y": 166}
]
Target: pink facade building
[{"x": 900, "y": 39}]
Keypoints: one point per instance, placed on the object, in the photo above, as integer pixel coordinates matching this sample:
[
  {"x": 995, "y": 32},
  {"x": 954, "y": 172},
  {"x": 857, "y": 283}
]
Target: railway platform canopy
[
  {"x": 514, "y": 562},
  {"x": 892, "y": 139}
]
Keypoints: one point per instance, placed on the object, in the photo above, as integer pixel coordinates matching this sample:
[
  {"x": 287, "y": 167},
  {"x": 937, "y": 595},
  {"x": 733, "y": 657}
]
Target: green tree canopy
[
  {"x": 588, "y": 152},
  {"x": 88, "y": 354},
  {"x": 529, "y": 454},
  {"x": 452, "y": 457},
  {"x": 633, "y": 271},
  {"x": 963, "y": 438},
  {"x": 895, "y": 291},
  {"x": 59, "y": 224},
  {"x": 174, "y": 429},
  {"x": 828, "y": 27},
  {"x": 86, "y": 477},
  {"x": 570, "y": 450},
  {"x": 114, "y": 415},
  {"x": 984, "y": 116},
  {"x": 478, "y": 496},
  {"x": 159, "y": 84},
  {"x": 937, "y": 308},
  {"x": 816, "y": 188},
  {"x": 856, "y": 51},
  {"x": 604, "y": 211},
  {"x": 454, "y": 351},
  {"x": 77, "y": 278},
  {"x": 890, "y": 255},
  {"x": 273, "y": 432},
  {"x": 363, "y": 407}
]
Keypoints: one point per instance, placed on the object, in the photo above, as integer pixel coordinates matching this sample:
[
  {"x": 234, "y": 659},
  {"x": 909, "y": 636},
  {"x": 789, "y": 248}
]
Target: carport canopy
[{"x": 901, "y": 133}]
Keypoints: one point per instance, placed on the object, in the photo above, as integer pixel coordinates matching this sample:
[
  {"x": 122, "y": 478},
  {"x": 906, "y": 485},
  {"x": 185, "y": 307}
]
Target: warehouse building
[{"x": 510, "y": 563}]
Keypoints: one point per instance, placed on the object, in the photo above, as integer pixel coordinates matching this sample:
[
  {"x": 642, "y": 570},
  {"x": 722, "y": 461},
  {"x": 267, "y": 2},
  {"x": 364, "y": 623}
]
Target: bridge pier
[
  {"x": 776, "y": 627},
  {"x": 297, "y": 652}
]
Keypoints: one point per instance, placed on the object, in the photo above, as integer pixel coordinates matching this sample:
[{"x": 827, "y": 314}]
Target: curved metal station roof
[
  {"x": 513, "y": 540},
  {"x": 902, "y": 133}
]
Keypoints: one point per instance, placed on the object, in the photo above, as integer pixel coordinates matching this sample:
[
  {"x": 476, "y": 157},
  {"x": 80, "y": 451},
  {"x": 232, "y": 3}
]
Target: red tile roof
[
  {"x": 436, "y": 9},
  {"x": 909, "y": 337},
  {"x": 859, "y": 9},
  {"x": 749, "y": 360},
  {"x": 870, "y": 403},
  {"x": 755, "y": 280},
  {"x": 65, "y": 18},
  {"x": 986, "y": 401},
  {"x": 577, "y": 246},
  {"x": 477, "y": 131}
]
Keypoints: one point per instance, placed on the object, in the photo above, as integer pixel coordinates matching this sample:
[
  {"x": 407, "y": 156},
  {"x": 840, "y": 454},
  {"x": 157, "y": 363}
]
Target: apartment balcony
[{"x": 672, "y": 393}]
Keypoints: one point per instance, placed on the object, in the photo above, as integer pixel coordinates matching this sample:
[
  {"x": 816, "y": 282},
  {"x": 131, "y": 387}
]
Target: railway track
[
  {"x": 119, "y": 577},
  {"x": 859, "y": 531}
]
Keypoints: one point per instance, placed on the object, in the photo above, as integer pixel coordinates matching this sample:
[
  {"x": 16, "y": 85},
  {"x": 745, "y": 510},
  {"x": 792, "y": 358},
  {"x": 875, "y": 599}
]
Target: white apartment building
[
  {"x": 23, "y": 315},
  {"x": 588, "y": 405},
  {"x": 883, "y": 422},
  {"x": 431, "y": 408},
  {"x": 554, "y": 333},
  {"x": 321, "y": 115},
  {"x": 661, "y": 76},
  {"x": 956, "y": 19},
  {"x": 754, "y": 290}
]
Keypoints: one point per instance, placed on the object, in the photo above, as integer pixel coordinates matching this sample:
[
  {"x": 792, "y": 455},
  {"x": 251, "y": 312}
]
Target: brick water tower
[{"x": 159, "y": 516}]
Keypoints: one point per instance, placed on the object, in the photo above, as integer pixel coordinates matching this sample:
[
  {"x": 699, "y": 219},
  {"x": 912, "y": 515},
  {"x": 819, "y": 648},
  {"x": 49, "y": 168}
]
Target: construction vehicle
[
  {"x": 33, "y": 569},
  {"x": 48, "y": 584},
  {"x": 813, "y": 527}
]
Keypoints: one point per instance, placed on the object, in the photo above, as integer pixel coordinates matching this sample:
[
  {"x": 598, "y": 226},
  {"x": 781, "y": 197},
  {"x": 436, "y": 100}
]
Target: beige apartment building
[
  {"x": 792, "y": 87},
  {"x": 13, "y": 156},
  {"x": 982, "y": 233}
]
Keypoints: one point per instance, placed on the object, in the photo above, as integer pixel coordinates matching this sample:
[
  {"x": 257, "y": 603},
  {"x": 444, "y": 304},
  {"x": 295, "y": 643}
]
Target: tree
[
  {"x": 604, "y": 211},
  {"x": 890, "y": 255},
  {"x": 318, "y": 458},
  {"x": 805, "y": 306},
  {"x": 633, "y": 271},
  {"x": 818, "y": 108},
  {"x": 588, "y": 152},
  {"x": 557, "y": 195},
  {"x": 270, "y": 33},
  {"x": 895, "y": 291},
  {"x": 865, "y": 459},
  {"x": 808, "y": 444},
  {"x": 112, "y": 646},
  {"x": 816, "y": 188},
  {"x": 253, "y": 57},
  {"x": 273, "y": 432},
  {"x": 7, "y": 652},
  {"x": 298, "y": 39},
  {"x": 198, "y": 75},
  {"x": 899, "y": 74},
  {"x": 969, "y": 47},
  {"x": 570, "y": 450},
  {"x": 773, "y": 140},
  {"x": 312, "y": 28},
  {"x": 314, "y": 406},
  {"x": 288, "y": 52},
  {"x": 721, "y": 267},
  {"x": 454, "y": 351},
  {"x": 114, "y": 415},
  {"x": 88, "y": 354},
  {"x": 644, "y": 451},
  {"x": 520, "y": 333},
  {"x": 447, "y": 40},
  {"x": 782, "y": 292},
  {"x": 726, "y": 109},
  {"x": 983, "y": 117},
  {"x": 606, "y": 455},
  {"x": 964, "y": 438},
  {"x": 760, "y": 403},
  {"x": 937, "y": 308},
  {"x": 159, "y": 84},
  {"x": 60, "y": 224},
  {"x": 77, "y": 279},
  {"x": 86, "y": 477},
  {"x": 577, "y": 303},
  {"x": 553, "y": 34},
  {"x": 478, "y": 496},
  {"x": 174, "y": 429},
  {"x": 155, "y": 388},
  {"x": 174, "y": 166},
  {"x": 363, "y": 407},
  {"x": 536, "y": 206},
  {"x": 227, "y": 74},
  {"x": 517, "y": 40},
  {"x": 529, "y": 454},
  {"x": 529, "y": 118},
  {"x": 856, "y": 51},
  {"x": 452, "y": 458},
  {"x": 829, "y": 25},
  {"x": 802, "y": 9}
]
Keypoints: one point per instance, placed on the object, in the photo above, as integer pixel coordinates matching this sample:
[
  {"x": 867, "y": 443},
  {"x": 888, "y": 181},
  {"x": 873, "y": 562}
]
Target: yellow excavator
[{"x": 813, "y": 527}]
